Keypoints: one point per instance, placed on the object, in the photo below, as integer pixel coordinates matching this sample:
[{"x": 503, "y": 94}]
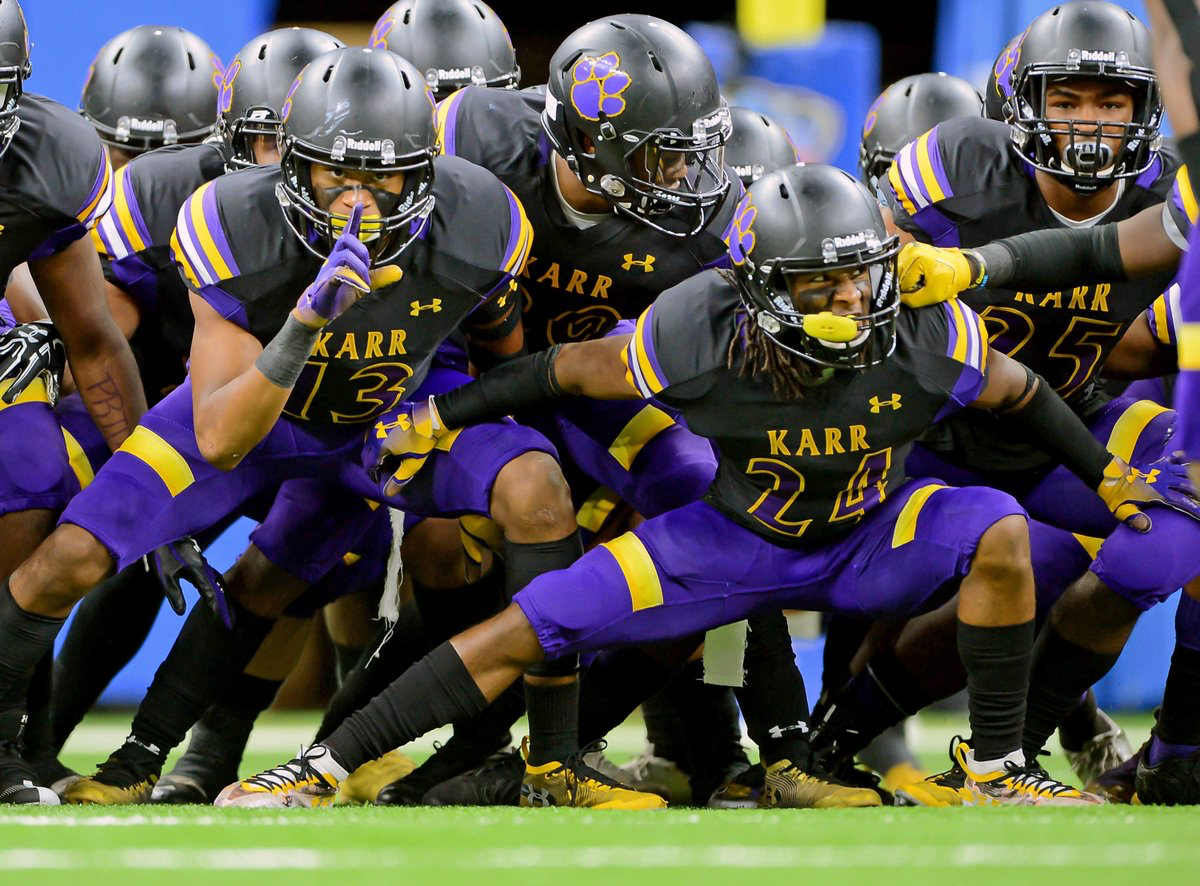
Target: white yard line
[{"x": 967, "y": 855}]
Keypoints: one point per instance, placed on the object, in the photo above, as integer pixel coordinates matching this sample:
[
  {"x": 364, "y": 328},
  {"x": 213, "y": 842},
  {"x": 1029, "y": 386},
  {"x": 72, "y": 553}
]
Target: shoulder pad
[{"x": 498, "y": 129}]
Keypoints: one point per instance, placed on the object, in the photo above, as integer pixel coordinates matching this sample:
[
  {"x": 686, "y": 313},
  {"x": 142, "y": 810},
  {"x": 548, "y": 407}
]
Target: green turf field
[{"x": 183, "y": 845}]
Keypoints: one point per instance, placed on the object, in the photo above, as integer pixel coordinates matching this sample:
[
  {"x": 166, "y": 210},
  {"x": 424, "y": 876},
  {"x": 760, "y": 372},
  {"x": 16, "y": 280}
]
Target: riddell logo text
[
  {"x": 364, "y": 145},
  {"x": 150, "y": 125},
  {"x": 1094, "y": 55}
]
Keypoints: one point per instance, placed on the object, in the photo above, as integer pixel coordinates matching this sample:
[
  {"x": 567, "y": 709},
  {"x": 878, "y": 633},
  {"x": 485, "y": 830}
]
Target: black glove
[
  {"x": 30, "y": 350},
  {"x": 182, "y": 560}
]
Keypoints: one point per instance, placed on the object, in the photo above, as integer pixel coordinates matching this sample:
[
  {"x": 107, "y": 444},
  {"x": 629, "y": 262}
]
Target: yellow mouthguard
[
  {"x": 830, "y": 327},
  {"x": 369, "y": 226}
]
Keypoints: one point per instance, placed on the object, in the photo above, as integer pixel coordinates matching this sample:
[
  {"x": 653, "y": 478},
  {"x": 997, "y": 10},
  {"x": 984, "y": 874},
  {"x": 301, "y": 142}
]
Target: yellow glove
[
  {"x": 1123, "y": 489},
  {"x": 929, "y": 275},
  {"x": 409, "y": 434}
]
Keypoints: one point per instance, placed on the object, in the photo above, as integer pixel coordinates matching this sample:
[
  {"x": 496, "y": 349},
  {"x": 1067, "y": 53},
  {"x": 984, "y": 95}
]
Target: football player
[
  {"x": 619, "y": 166},
  {"x": 58, "y": 181},
  {"x": 804, "y": 373},
  {"x": 274, "y": 395},
  {"x": 151, "y": 86},
  {"x": 1084, "y": 125},
  {"x": 456, "y": 43},
  {"x": 145, "y": 290}
]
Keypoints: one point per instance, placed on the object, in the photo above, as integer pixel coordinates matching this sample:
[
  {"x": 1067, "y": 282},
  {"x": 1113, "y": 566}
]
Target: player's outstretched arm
[
  {"x": 1039, "y": 261},
  {"x": 1031, "y": 404},
  {"x": 72, "y": 287}
]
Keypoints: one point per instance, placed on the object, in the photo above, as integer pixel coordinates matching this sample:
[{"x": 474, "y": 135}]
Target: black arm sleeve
[
  {"x": 1049, "y": 421},
  {"x": 1054, "y": 258},
  {"x": 525, "y": 383}
]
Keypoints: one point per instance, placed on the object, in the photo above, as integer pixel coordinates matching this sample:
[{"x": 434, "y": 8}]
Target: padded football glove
[
  {"x": 183, "y": 560},
  {"x": 929, "y": 275},
  {"x": 409, "y": 434},
  {"x": 343, "y": 279},
  {"x": 28, "y": 351}
]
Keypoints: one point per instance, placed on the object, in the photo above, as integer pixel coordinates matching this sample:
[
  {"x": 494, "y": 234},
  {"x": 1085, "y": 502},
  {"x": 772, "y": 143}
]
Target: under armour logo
[
  {"x": 877, "y": 404},
  {"x": 417, "y": 307},
  {"x": 536, "y": 797},
  {"x": 1149, "y": 476},
  {"x": 383, "y": 426},
  {"x": 646, "y": 264},
  {"x": 1, "y": 229},
  {"x": 781, "y": 731}
]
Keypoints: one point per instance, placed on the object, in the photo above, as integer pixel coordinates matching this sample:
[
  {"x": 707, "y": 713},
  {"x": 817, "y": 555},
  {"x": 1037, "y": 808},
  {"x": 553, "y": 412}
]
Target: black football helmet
[
  {"x": 905, "y": 111},
  {"x": 256, "y": 83},
  {"x": 150, "y": 86},
  {"x": 456, "y": 43},
  {"x": 758, "y": 145},
  {"x": 359, "y": 109},
  {"x": 1096, "y": 40},
  {"x": 14, "y": 67},
  {"x": 813, "y": 219},
  {"x": 628, "y": 97}
]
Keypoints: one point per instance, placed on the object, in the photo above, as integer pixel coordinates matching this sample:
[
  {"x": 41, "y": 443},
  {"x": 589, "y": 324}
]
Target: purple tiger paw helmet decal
[
  {"x": 597, "y": 87},
  {"x": 383, "y": 27},
  {"x": 873, "y": 114},
  {"x": 740, "y": 237},
  {"x": 225, "y": 99},
  {"x": 218, "y": 67},
  {"x": 287, "y": 102},
  {"x": 1006, "y": 64}
]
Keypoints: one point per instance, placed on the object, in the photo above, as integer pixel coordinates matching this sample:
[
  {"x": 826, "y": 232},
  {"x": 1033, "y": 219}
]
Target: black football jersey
[
  {"x": 577, "y": 283},
  {"x": 55, "y": 182},
  {"x": 134, "y": 242},
  {"x": 1181, "y": 210},
  {"x": 962, "y": 184},
  {"x": 237, "y": 252},
  {"x": 803, "y": 471}
]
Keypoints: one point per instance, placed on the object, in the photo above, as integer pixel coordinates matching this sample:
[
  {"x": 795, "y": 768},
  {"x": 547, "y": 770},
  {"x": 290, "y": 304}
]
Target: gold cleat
[
  {"x": 901, "y": 775},
  {"x": 297, "y": 783},
  {"x": 1013, "y": 785},
  {"x": 788, "y": 787},
  {"x": 363, "y": 785},
  {"x": 92, "y": 792},
  {"x": 573, "y": 783}
]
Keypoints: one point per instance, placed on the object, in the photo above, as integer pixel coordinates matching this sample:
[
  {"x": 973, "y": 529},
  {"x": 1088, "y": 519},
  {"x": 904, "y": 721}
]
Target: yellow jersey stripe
[
  {"x": 447, "y": 107},
  {"x": 593, "y": 512},
  {"x": 124, "y": 215},
  {"x": 35, "y": 392},
  {"x": 78, "y": 460},
  {"x": 1162, "y": 330},
  {"x": 645, "y": 590},
  {"x": 983, "y": 344},
  {"x": 1089, "y": 543},
  {"x": 161, "y": 457},
  {"x": 1128, "y": 428},
  {"x": 1190, "y": 206},
  {"x": 653, "y": 382},
  {"x": 86, "y": 212},
  {"x": 204, "y": 235},
  {"x": 898, "y": 188},
  {"x": 925, "y": 164},
  {"x": 1189, "y": 345},
  {"x": 641, "y": 429},
  {"x": 960, "y": 327},
  {"x": 906, "y": 523}
]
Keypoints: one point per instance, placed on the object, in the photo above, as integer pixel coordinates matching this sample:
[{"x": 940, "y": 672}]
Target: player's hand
[
  {"x": 1126, "y": 492},
  {"x": 182, "y": 560},
  {"x": 409, "y": 434},
  {"x": 343, "y": 279},
  {"x": 929, "y": 275},
  {"x": 30, "y": 350}
]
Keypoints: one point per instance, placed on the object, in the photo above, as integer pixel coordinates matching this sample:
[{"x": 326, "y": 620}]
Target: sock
[
  {"x": 773, "y": 699},
  {"x": 376, "y": 670},
  {"x": 435, "y": 691},
  {"x": 344, "y": 660},
  {"x": 614, "y": 684},
  {"x": 659, "y": 717},
  {"x": 706, "y": 723},
  {"x": 875, "y": 700},
  {"x": 843, "y": 638},
  {"x": 220, "y": 735},
  {"x": 553, "y": 710},
  {"x": 110, "y": 625},
  {"x": 1062, "y": 671},
  {"x": 24, "y": 639},
  {"x": 553, "y": 721},
  {"x": 206, "y": 656},
  {"x": 997, "y": 662},
  {"x": 1079, "y": 725},
  {"x": 1179, "y": 718},
  {"x": 39, "y": 739},
  {"x": 449, "y": 611},
  {"x": 1160, "y": 750}
]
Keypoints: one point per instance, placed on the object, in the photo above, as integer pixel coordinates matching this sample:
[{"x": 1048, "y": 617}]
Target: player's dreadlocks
[{"x": 790, "y": 375}]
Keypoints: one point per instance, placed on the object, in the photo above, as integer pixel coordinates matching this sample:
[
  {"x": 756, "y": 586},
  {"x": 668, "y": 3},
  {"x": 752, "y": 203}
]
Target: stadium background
[{"x": 816, "y": 77}]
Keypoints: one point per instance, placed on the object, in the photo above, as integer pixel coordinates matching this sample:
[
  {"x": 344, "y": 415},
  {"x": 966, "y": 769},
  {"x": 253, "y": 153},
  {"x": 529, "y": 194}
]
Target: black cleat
[
  {"x": 496, "y": 783},
  {"x": 18, "y": 780},
  {"x": 462, "y": 753},
  {"x": 1172, "y": 781},
  {"x": 126, "y": 777}
]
